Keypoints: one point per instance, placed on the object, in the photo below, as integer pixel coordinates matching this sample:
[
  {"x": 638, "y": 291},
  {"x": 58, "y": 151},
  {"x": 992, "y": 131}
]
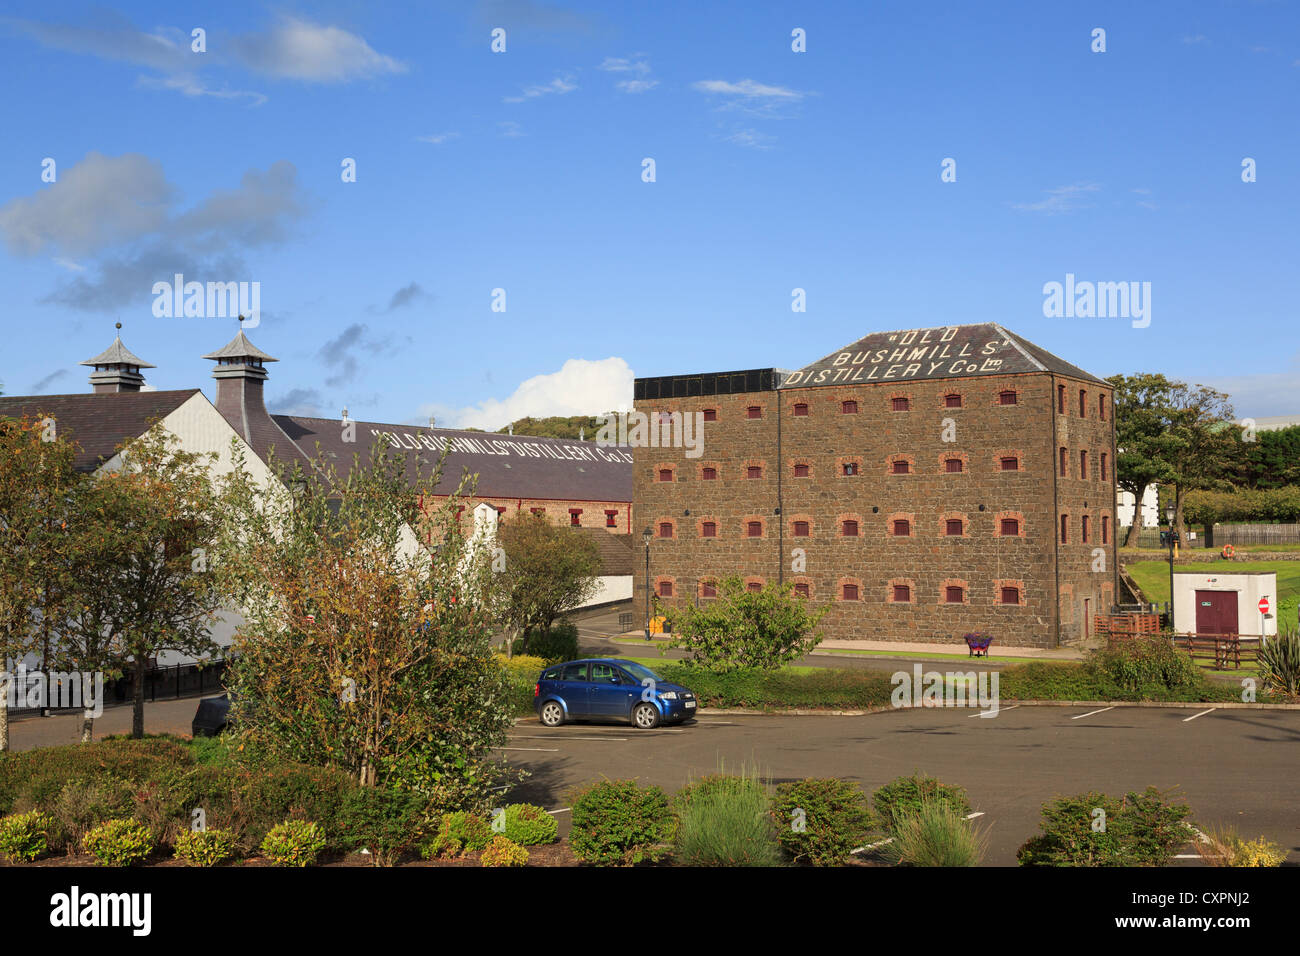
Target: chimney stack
[
  {"x": 240, "y": 372},
  {"x": 116, "y": 368}
]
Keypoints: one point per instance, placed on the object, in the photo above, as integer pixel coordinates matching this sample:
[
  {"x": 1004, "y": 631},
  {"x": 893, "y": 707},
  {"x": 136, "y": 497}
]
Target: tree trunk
[
  {"x": 137, "y": 705},
  {"x": 87, "y": 727},
  {"x": 4, "y": 713},
  {"x": 1131, "y": 539}
]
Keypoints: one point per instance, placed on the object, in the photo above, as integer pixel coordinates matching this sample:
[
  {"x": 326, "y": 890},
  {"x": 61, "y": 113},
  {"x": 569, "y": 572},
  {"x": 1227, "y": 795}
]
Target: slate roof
[
  {"x": 508, "y": 466},
  {"x": 616, "y": 551},
  {"x": 117, "y": 354},
  {"x": 240, "y": 347},
  {"x": 953, "y": 351},
  {"x": 98, "y": 422}
]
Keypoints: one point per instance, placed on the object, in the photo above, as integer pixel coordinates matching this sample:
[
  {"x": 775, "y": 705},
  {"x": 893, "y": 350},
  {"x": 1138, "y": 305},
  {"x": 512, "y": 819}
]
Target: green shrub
[
  {"x": 266, "y": 795},
  {"x": 503, "y": 851},
  {"x": 388, "y": 822},
  {"x": 294, "y": 843},
  {"x": 1279, "y": 664},
  {"x": 119, "y": 842},
  {"x": 821, "y": 820},
  {"x": 458, "y": 833},
  {"x": 82, "y": 805},
  {"x": 559, "y": 643},
  {"x": 529, "y": 825},
  {"x": 824, "y": 687},
  {"x": 205, "y": 847},
  {"x": 617, "y": 822},
  {"x": 1147, "y": 662},
  {"x": 725, "y": 821},
  {"x": 906, "y": 796},
  {"x": 1226, "y": 848},
  {"x": 934, "y": 834},
  {"x": 37, "y": 777},
  {"x": 26, "y": 836},
  {"x": 526, "y": 666},
  {"x": 1140, "y": 830}
]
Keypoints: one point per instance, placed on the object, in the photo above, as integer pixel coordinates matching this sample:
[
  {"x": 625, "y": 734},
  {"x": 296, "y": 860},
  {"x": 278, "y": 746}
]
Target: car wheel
[
  {"x": 552, "y": 714},
  {"x": 645, "y": 716}
]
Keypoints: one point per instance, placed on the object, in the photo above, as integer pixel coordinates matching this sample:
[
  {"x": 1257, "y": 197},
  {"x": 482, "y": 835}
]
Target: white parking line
[
  {"x": 889, "y": 840},
  {"x": 1201, "y": 714},
  {"x": 993, "y": 713},
  {"x": 1091, "y": 712},
  {"x": 559, "y": 737},
  {"x": 562, "y": 810}
]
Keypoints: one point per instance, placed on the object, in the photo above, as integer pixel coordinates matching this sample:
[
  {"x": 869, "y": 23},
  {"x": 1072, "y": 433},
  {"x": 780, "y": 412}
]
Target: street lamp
[
  {"x": 1169, "y": 517},
  {"x": 646, "y": 535}
]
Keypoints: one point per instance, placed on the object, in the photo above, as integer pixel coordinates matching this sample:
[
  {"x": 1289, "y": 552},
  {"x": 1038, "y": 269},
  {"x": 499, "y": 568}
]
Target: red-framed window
[
  {"x": 901, "y": 466},
  {"x": 575, "y": 517},
  {"x": 665, "y": 474},
  {"x": 900, "y": 403},
  {"x": 952, "y": 400},
  {"x": 902, "y": 528},
  {"x": 1007, "y": 397},
  {"x": 1010, "y": 463},
  {"x": 754, "y": 529},
  {"x": 953, "y": 527},
  {"x": 665, "y": 529},
  {"x": 709, "y": 529},
  {"x": 1010, "y": 595},
  {"x": 800, "y": 410},
  {"x": 953, "y": 465},
  {"x": 666, "y": 589},
  {"x": 1010, "y": 527},
  {"x": 708, "y": 473},
  {"x": 611, "y": 519},
  {"x": 849, "y": 592},
  {"x": 849, "y": 528},
  {"x": 754, "y": 411},
  {"x": 754, "y": 471},
  {"x": 848, "y": 407},
  {"x": 850, "y": 469},
  {"x": 801, "y": 529},
  {"x": 801, "y": 470},
  {"x": 710, "y": 414},
  {"x": 902, "y": 594},
  {"x": 954, "y": 594},
  {"x": 708, "y": 589}
]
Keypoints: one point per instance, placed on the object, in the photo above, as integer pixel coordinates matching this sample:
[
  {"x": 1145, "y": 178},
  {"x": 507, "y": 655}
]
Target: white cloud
[
  {"x": 748, "y": 89},
  {"x": 750, "y": 138},
  {"x": 1061, "y": 199},
  {"x": 580, "y": 387},
  {"x": 300, "y": 50},
  {"x": 637, "y": 65},
  {"x": 511, "y": 129},
  {"x": 437, "y": 138},
  {"x": 1256, "y": 396},
  {"x": 560, "y": 85},
  {"x": 1198, "y": 38}
]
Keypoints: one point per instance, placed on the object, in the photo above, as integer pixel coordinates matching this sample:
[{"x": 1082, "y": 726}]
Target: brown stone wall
[{"x": 980, "y": 559}]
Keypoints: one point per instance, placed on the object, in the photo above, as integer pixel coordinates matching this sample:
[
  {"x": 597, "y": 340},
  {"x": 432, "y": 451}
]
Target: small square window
[
  {"x": 801, "y": 471},
  {"x": 902, "y": 528},
  {"x": 952, "y": 527},
  {"x": 1010, "y": 464},
  {"x": 902, "y": 594},
  {"x": 850, "y": 592},
  {"x": 1011, "y": 595},
  {"x": 954, "y": 594},
  {"x": 710, "y": 414},
  {"x": 850, "y": 468},
  {"x": 952, "y": 465},
  {"x": 753, "y": 587},
  {"x": 754, "y": 529},
  {"x": 665, "y": 589},
  {"x": 801, "y": 529},
  {"x": 754, "y": 471},
  {"x": 665, "y": 529},
  {"x": 611, "y": 519},
  {"x": 708, "y": 589},
  {"x": 709, "y": 529},
  {"x": 900, "y": 404},
  {"x": 1007, "y": 398},
  {"x": 901, "y": 466},
  {"x": 801, "y": 410},
  {"x": 665, "y": 474},
  {"x": 849, "y": 528},
  {"x": 1010, "y": 528},
  {"x": 754, "y": 411},
  {"x": 801, "y": 589},
  {"x": 849, "y": 407},
  {"x": 538, "y": 511},
  {"x": 952, "y": 400},
  {"x": 575, "y": 519},
  {"x": 708, "y": 474}
]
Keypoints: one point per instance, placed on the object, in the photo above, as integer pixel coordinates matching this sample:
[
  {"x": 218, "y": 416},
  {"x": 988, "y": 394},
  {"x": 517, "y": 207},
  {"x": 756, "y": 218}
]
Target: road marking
[
  {"x": 1201, "y": 714},
  {"x": 540, "y": 750},
  {"x": 563, "y": 737},
  {"x": 1091, "y": 712},
  {"x": 993, "y": 713},
  {"x": 563, "y": 810},
  {"x": 889, "y": 840}
]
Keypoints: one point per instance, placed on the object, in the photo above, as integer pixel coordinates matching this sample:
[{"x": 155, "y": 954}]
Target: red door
[{"x": 1216, "y": 612}]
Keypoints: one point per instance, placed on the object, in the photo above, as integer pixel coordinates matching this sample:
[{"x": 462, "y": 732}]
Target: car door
[
  {"x": 575, "y": 688},
  {"x": 610, "y": 694}
]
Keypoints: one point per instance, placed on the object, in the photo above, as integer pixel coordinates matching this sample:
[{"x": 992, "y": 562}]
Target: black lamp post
[
  {"x": 1169, "y": 516},
  {"x": 646, "y": 535}
]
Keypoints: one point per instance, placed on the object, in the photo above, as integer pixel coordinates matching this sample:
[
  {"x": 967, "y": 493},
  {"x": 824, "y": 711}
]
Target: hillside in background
[{"x": 556, "y": 427}]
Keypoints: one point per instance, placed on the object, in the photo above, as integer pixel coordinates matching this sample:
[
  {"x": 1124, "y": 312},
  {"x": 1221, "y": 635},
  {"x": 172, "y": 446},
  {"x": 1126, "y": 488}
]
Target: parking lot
[{"x": 1233, "y": 767}]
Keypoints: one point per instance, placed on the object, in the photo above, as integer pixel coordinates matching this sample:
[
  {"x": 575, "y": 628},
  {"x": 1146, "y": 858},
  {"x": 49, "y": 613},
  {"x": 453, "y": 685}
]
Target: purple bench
[{"x": 978, "y": 644}]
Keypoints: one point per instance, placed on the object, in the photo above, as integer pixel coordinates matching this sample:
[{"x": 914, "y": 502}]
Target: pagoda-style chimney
[
  {"x": 117, "y": 369},
  {"x": 240, "y": 372}
]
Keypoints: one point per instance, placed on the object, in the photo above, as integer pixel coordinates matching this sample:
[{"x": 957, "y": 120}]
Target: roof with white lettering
[
  {"x": 507, "y": 466},
  {"x": 953, "y": 351}
]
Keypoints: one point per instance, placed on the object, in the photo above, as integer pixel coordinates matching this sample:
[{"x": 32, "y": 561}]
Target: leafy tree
[
  {"x": 742, "y": 628},
  {"x": 1271, "y": 460},
  {"x": 36, "y": 479},
  {"x": 1143, "y": 411},
  {"x": 550, "y": 570},
  {"x": 555, "y": 426},
  {"x": 145, "y": 533},
  {"x": 1204, "y": 434},
  {"x": 361, "y": 649}
]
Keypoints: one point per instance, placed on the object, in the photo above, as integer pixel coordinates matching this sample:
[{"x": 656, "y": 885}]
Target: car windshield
[{"x": 641, "y": 673}]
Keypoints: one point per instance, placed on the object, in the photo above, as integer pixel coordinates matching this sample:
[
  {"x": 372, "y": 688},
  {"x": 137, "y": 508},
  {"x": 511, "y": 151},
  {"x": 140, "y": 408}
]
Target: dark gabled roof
[
  {"x": 952, "y": 351},
  {"x": 508, "y": 466},
  {"x": 98, "y": 422},
  {"x": 240, "y": 347},
  {"x": 615, "y": 551},
  {"x": 117, "y": 354}
]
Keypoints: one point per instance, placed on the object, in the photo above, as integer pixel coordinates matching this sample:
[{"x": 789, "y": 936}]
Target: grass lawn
[
  {"x": 1153, "y": 578},
  {"x": 925, "y": 657}
]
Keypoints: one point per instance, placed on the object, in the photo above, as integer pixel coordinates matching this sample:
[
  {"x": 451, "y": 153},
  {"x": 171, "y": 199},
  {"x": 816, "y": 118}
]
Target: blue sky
[{"x": 522, "y": 171}]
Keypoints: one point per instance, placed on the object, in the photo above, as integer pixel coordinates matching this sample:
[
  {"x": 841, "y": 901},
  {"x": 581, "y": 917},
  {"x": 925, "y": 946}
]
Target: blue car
[{"x": 608, "y": 688}]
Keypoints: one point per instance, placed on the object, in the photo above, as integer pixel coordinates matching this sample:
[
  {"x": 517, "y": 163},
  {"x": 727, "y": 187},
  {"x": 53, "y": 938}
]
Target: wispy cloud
[
  {"x": 748, "y": 89},
  {"x": 1062, "y": 199},
  {"x": 407, "y": 295},
  {"x": 558, "y": 86},
  {"x": 340, "y": 353},
  {"x": 48, "y": 380},
  {"x": 510, "y": 129},
  {"x": 750, "y": 138},
  {"x": 438, "y": 138},
  {"x": 1197, "y": 38},
  {"x": 638, "y": 68}
]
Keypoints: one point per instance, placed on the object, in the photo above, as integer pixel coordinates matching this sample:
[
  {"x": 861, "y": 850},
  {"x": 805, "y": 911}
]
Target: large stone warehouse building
[{"x": 927, "y": 483}]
